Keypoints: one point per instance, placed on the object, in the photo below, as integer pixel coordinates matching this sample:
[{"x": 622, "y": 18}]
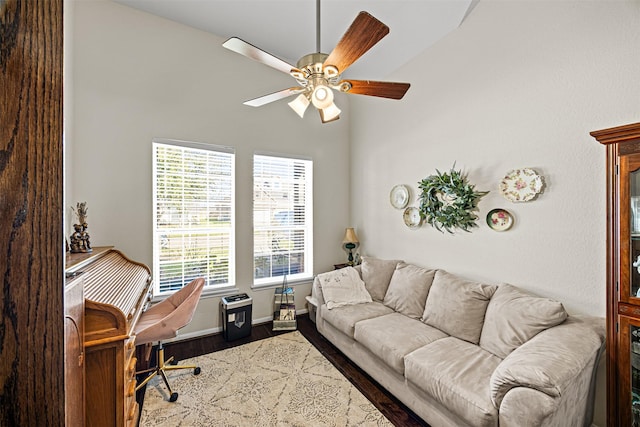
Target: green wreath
[{"x": 448, "y": 201}]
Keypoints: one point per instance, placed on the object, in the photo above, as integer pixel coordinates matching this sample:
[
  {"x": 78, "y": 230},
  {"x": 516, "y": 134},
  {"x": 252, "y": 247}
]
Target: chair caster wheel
[
  {"x": 174, "y": 397},
  {"x": 196, "y": 371}
]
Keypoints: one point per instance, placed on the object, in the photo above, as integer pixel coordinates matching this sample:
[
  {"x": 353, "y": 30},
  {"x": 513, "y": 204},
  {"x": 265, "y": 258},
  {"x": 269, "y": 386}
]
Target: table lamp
[{"x": 350, "y": 243}]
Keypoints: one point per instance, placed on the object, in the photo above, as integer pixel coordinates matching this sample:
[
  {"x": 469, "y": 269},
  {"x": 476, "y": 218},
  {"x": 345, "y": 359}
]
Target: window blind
[
  {"x": 282, "y": 219},
  {"x": 193, "y": 230}
]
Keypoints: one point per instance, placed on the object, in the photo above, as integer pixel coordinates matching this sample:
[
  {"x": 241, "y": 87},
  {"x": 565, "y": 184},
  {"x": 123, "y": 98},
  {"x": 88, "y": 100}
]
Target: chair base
[{"x": 161, "y": 368}]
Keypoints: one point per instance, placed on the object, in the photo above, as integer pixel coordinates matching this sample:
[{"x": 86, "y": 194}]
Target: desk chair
[{"x": 161, "y": 322}]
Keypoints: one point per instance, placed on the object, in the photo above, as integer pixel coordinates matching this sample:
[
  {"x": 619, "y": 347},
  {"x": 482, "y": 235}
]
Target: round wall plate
[
  {"x": 499, "y": 220},
  {"x": 521, "y": 185},
  {"x": 412, "y": 217},
  {"x": 399, "y": 196}
]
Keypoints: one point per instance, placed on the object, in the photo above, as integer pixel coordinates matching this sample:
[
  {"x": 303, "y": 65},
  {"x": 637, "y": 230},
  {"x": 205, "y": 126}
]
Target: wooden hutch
[{"x": 623, "y": 273}]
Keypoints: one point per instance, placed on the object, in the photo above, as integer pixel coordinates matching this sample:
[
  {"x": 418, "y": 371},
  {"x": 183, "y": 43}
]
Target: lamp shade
[
  {"x": 350, "y": 236},
  {"x": 330, "y": 113},
  {"x": 322, "y": 96},
  {"x": 300, "y": 104}
]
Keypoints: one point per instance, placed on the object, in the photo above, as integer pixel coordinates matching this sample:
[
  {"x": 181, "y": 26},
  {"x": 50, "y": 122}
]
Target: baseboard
[{"x": 218, "y": 330}]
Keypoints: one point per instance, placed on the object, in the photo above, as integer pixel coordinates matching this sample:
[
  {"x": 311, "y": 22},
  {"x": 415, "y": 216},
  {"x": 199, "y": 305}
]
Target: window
[
  {"x": 193, "y": 227},
  {"x": 282, "y": 219}
]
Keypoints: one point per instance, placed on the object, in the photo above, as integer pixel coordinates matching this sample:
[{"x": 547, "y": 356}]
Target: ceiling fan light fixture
[
  {"x": 300, "y": 104},
  {"x": 322, "y": 97},
  {"x": 330, "y": 113}
]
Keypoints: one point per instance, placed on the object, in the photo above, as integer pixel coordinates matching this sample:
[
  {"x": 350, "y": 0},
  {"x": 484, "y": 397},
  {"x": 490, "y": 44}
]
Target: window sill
[
  {"x": 267, "y": 286},
  {"x": 206, "y": 293}
]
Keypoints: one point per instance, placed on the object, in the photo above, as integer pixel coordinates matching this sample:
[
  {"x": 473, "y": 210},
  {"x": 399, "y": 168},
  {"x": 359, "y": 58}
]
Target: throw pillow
[
  {"x": 457, "y": 306},
  {"x": 343, "y": 287},
  {"x": 514, "y": 316},
  {"x": 408, "y": 289},
  {"x": 376, "y": 274}
]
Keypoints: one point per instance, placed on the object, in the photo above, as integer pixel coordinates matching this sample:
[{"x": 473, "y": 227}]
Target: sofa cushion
[
  {"x": 393, "y": 336},
  {"x": 456, "y": 374},
  {"x": 376, "y": 274},
  {"x": 457, "y": 306},
  {"x": 343, "y": 287},
  {"x": 552, "y": 361},
  {"x": 345, "y": 318},
  {"x": 408, "y": 289},
  {"x": 514, "y": 316}
]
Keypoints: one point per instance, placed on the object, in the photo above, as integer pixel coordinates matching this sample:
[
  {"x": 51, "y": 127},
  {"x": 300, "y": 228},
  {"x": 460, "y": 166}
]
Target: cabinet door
[
  {"x": 629, "y": 182},
  {"x": 629, "y": 369}
]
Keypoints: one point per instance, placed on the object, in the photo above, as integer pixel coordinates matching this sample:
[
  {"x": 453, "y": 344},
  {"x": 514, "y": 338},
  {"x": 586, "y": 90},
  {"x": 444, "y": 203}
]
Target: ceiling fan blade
[
  {"x": 250, "y": 51},
  {"x": 392, "y": 90},
  {"x": 263, "y": 100},
  {"x": 362, "y": 35}
]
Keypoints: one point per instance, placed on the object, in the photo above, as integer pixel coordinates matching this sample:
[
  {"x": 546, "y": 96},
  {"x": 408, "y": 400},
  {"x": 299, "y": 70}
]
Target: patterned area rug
[{"x": 278, "y": 381}]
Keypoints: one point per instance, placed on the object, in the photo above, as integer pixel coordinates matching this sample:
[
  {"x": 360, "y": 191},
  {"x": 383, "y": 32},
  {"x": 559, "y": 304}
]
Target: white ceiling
[{"x": 287, "y": 28}]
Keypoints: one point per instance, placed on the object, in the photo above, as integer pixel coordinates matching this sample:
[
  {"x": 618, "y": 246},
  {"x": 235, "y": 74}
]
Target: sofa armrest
[
  {"x": 552, "y": 360},
  {"x": 316, "y": 292}
]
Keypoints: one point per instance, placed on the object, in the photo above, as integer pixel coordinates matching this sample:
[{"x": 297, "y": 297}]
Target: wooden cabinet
[
  {"x": 623, "y": 273},
  {"x": 74, "y": 357}
]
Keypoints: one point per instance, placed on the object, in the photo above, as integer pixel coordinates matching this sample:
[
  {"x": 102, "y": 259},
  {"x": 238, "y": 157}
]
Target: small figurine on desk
[{"x": 80, "y": 238}]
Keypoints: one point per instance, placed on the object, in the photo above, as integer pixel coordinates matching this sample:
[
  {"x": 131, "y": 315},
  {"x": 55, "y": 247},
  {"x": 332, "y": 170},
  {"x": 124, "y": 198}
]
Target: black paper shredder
[{"x": 236, "y": 316}]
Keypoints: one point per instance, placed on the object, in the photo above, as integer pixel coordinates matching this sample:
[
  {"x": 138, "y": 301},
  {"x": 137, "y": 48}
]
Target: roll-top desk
[{"x": 116, "y": 291}]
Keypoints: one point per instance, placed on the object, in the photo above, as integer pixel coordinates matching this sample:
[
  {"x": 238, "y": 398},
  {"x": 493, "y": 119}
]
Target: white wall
[
  {"x": 68, "y": 116},
  {"x": 138, "y": 77},
  {"x": 519, "y": 84}
]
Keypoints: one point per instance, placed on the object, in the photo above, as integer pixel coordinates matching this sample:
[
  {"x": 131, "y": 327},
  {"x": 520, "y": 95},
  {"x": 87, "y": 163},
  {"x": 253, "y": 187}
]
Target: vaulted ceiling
[{"x": 287, "y": 28}]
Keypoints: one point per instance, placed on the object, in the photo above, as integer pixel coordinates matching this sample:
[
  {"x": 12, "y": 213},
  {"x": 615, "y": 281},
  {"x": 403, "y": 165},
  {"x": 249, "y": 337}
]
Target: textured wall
[
  {"x": 519, "y": 84},
  {"x": 137, "y": 77}
]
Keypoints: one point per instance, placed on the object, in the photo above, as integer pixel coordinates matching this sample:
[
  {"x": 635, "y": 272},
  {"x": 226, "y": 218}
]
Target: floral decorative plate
[
  {"x": 412, "y": 217},
  {"x": 499, "y": 220},
  {"x": 399, "y": 196},
  {"x": 521, "y": 185}
]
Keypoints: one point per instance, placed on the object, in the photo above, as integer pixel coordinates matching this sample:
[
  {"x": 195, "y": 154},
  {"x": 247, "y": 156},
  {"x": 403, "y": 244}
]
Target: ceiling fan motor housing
[{"x": 312, "y": 65}]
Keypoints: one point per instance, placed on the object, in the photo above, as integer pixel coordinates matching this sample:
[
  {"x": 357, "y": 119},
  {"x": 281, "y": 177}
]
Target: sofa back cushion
[
  {"x": 457, "y": 306},
  {"x": 376, "y": 274},
  {"x": 408, "y": 289},
  {"x": 514, "y": 316}
]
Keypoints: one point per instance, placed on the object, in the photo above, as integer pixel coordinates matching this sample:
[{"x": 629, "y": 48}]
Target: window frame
[
  {"x": 307, "y": 274},
  {"x": 209, "y": 289}
]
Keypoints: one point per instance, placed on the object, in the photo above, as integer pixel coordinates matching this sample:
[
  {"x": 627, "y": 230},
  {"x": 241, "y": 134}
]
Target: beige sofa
[{"x": 462, "y": 353}]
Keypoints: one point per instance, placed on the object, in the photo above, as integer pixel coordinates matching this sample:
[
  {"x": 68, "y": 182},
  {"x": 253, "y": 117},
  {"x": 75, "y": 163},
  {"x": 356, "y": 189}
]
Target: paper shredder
[{"x": 236, "y": 316}]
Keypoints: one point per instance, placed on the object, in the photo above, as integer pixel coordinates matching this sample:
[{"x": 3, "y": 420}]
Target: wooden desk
[{"x": 116, "y": 291}]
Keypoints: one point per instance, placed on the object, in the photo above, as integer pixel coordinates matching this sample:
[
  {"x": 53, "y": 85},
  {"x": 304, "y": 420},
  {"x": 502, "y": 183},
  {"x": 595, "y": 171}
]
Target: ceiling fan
[{"x": 318, "y": 74}]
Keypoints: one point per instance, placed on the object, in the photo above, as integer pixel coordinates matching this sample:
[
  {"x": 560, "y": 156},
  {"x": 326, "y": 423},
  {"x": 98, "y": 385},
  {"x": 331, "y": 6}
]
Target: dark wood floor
[{"x": 394, "y": 410}]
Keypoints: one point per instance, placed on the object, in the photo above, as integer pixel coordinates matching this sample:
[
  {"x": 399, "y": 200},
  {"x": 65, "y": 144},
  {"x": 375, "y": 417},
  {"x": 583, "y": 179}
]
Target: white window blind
[
  {"x": 282, "y": 219},
  {"x": 193, "y": 227}
]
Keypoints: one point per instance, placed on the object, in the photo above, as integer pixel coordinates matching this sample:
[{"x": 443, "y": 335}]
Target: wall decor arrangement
[
  {"x": 448, "y": 201},
  {"x": 521, "y": 185}
]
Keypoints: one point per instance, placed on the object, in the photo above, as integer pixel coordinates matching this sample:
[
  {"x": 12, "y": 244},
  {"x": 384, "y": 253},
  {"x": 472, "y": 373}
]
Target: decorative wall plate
[
  {"x": 521, "y": 185},
  {"x": 412, "y": 217},
  {"x": 499, "y": 220},
  {"x": 399, "y": 196}
]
